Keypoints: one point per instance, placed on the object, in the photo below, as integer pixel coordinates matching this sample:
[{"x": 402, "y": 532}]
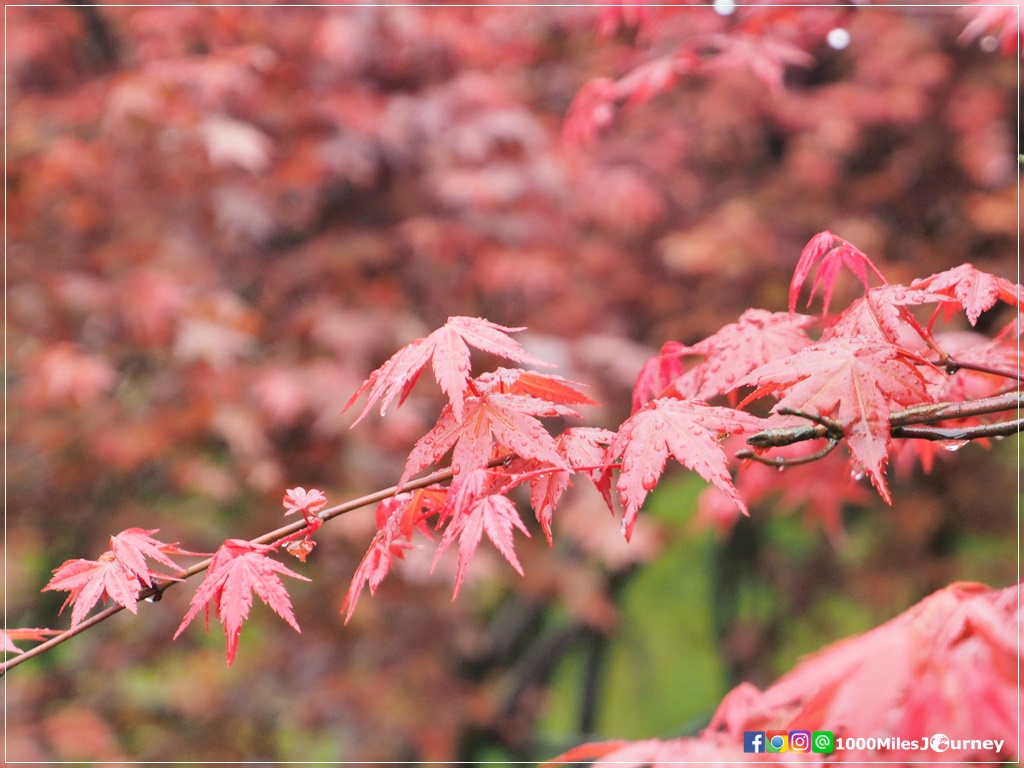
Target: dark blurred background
[{"x": 220, "y": 219}]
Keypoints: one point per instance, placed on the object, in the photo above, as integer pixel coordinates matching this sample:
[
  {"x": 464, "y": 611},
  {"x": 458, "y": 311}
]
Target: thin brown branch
[
  {"x": 998, "y": 429},
  {"x": 899, "y": 422},
  {"x": 932, "y": 412},
  {"x": 792, "y": 461},
  {"x": 153, "y": 594}
]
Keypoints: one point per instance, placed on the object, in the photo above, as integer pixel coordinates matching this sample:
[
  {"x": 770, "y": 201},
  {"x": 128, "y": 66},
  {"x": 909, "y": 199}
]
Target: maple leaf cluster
[
  {"x": 872, "y": 362},
  {"x": 489, "y": 419},
  {"x": 236, "y": 571},
  {"x": 946, "y": 665},
  {"x": 120, "y": 573}
]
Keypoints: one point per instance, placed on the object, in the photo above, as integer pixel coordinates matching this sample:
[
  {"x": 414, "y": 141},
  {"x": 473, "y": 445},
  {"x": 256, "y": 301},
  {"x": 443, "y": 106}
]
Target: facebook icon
[{"x": 753, "y": 741}]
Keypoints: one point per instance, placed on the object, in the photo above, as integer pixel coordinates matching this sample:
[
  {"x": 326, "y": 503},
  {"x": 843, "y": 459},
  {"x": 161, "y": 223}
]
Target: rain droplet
[
  {"x": 725, "y": 7},
  {"x": 838, "y": 38},
  {"x": 953, "y": 445},
  {"x": 781, "y": 467},
  {"x": 858, "y": 476},
  {"x": 648, "y": 481}
]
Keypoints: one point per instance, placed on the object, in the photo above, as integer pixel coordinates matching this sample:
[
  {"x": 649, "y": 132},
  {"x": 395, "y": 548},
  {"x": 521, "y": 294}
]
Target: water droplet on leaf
[{"x": 648, "y": 481}]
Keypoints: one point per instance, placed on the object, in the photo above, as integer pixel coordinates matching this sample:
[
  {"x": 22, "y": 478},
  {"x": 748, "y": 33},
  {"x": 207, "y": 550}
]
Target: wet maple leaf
[
  {"x": 879, "y": 316},
  {"x": 397, "y": 517},
  {"x": 447, "y": 349},
  {"x": 855, "y": 386},
  {"x": 489, "y": 421},
  {"x": 946, "y": 665},
  {"x": 584, "y": 449},
  {"x": 738, "y": 348},
  {"x": 1002, "y": 353},
  {"x": 88, "y": 581},
  {"x": 690, "y": 431},
  {"x": 494, "y": 514},
  {"x": 828, "y": 252},
  {"x": 657, "y": 373},
  {"x": 118, "y": 574},
  {"x": 551, "y": 389},
  {"x": 374, "y": 566},
  {"x": 239, "y": 568},
  {"x": 132, "y": 546},
  {"x": 971, "y": 289}
]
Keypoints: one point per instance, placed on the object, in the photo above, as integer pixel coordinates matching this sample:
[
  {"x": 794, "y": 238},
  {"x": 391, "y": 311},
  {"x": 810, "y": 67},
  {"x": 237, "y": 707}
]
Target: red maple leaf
[
  {"x": 1002, "y": 353},
  {"x": 132, "y": 546},
  {"x": 584, "y": 449},
  {"x": 448, "y": 350},
  {"x": 90, "y": 580},
  {"x": 738, "y": 348},
  {"x": 492, "y": 513},
  {"x": 374, "y": 566},
  {"x": 946, "y": 665},
  {"x": 880, "y": 316},
  {"x": 300, "y": 500},
  {"x": 551, "y": 389},
  {"x": 972, "y": 290},
  {"x": 690, "y": 431},
  {"x": 490, "y": 421},
  {"x": 239, "y": 568},
  {"x": 120, "y": 573},
  {"x": 657, "y": 373},
  {"x": 397, "y": 517},
  {"x": 855, "y": 386},
  {"x": 829, "y": 252}
]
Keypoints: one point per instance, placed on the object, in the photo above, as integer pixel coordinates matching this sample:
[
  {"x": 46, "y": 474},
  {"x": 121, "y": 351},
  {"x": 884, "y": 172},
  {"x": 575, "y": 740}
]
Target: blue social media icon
[{"x": 753, "y": 741}]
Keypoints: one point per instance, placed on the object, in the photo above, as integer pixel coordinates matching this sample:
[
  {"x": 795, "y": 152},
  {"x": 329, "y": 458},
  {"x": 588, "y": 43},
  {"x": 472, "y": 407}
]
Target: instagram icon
[{"x": 799, "y": 741}]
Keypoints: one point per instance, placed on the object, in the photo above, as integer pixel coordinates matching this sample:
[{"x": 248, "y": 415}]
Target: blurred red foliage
[{"x": 219, "y": 218}]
